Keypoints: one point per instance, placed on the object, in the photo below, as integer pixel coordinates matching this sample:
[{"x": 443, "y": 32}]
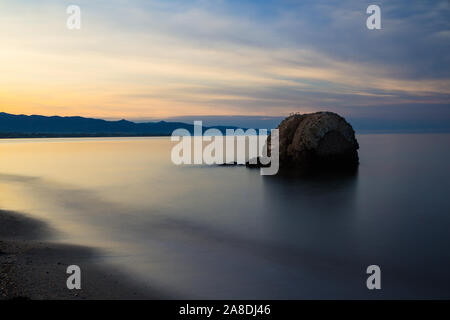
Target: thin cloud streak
[{"x": 159, "y": 59}]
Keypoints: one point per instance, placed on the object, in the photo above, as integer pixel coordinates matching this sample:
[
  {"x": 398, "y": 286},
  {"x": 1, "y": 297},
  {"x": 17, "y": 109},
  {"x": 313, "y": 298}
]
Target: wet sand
[{"x": 32, "y": 267}]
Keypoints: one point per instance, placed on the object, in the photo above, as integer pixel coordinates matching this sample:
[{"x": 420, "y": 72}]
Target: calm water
[{"x": 227, "y": 232}]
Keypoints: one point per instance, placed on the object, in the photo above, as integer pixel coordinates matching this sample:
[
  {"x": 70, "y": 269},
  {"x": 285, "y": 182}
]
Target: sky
[{"x": 259, "y": 59}]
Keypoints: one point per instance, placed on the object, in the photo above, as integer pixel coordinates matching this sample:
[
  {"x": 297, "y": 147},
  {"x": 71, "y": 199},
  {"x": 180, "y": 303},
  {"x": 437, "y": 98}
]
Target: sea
[{"x": 228, "y": 232}]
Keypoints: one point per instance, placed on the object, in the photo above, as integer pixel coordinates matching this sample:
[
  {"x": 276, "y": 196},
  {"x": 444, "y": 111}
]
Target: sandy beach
[{"x": 32, "y": 267}]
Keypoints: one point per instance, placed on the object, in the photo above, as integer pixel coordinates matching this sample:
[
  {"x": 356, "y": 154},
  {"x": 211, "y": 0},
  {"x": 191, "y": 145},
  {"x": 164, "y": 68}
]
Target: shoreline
[
  {"x": 32, "y": 267},
  {"x": 56, "y": 136}
]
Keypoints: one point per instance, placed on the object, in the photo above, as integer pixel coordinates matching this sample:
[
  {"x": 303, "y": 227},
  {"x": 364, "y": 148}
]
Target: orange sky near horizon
[{"x": 139, "y": 65}]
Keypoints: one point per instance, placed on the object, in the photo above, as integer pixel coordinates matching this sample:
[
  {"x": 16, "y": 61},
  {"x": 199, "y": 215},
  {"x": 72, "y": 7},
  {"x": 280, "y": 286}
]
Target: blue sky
[{"x": 140, "y": 59}]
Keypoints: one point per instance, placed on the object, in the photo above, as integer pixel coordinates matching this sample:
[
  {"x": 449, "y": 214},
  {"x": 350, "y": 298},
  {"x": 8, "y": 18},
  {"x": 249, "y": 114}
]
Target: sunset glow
[{"x": 161, "y": 59}]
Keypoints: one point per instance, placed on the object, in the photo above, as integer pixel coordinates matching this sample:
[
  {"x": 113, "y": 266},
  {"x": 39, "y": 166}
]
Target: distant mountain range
[{"x": 15, "y": 126}]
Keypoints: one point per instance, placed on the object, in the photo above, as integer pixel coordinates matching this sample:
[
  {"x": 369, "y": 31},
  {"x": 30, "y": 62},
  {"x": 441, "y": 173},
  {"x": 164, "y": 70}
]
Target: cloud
[{"x": 166, "y": 58}]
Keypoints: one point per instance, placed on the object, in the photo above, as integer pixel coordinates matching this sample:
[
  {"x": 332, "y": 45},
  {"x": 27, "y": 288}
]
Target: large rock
[{"x": 317, "y": 140}]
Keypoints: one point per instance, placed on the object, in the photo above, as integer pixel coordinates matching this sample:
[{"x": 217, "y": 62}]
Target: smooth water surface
[{"x": 228, "y": 232}]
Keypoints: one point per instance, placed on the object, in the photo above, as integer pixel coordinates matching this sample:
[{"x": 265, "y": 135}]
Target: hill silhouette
[{"x": 12, "y": 126}]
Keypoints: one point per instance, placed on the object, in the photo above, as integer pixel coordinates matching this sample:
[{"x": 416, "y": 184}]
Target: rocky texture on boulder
[{"x": 317, "y": 140}]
